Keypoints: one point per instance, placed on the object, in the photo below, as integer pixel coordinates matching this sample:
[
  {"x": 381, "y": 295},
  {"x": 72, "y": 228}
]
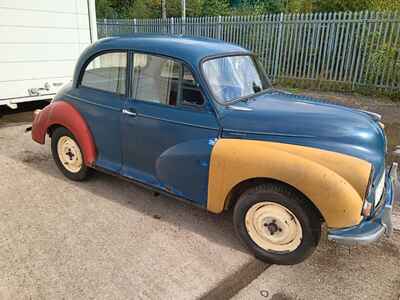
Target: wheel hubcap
[
  {"x": 273, "y": 227},
  {"x": 69, "y": 154}
]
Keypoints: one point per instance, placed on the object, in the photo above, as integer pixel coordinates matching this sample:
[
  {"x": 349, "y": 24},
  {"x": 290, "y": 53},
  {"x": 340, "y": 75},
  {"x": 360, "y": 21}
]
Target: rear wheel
[
  {"x": 68, "y": 154},
  {"x": 277, "y": 223}
]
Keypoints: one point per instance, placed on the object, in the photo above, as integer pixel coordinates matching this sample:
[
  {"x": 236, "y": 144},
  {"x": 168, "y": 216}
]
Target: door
[
  {"x": 168, "y": 128},
  {"x": 100, "y": 98}
]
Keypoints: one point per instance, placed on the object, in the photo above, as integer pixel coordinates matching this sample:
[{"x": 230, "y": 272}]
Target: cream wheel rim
[
  {"x": 69, "y": 154},
  {"x": 273, "y": 227}
]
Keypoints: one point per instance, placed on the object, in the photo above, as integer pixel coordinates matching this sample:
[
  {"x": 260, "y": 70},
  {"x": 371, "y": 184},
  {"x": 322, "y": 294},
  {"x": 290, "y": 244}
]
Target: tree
[
  {"x": 143, "y": 9},
  {"x": 215, "y": 8},
  {"x": 299, "y": 6},
  {"x": 385, "y": 5},
  {"x": 193, "y": 8},
  {"x": 163, "y": 9},
  {"x": 104, "y": 9}
]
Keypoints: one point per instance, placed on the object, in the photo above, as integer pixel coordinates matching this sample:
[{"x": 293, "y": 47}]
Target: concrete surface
[
  {"x": 369, "y": 272},
  {"x": 109, "y": 239},
  {"x": 105, "y": 238}
]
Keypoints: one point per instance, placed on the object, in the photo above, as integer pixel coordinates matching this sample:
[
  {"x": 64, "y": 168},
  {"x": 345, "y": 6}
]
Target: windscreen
[{"x": 234, "y": 77}]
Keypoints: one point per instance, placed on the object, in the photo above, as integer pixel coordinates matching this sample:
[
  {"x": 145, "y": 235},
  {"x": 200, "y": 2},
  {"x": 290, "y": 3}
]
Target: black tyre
[
  {"x": 68, "y": 155},
  {"x": 277, "y": 223}
]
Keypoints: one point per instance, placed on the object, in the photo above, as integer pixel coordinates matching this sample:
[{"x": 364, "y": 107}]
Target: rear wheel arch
[
  {"x": 64, "y": 114},
  {"x": 68, "y": 154},
  {"x": 52, "y": 128}
]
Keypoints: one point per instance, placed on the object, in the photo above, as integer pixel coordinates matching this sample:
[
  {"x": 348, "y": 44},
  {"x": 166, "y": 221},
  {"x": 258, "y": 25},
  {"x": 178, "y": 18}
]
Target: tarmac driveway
[
  {"x": 104, "y": 238},
  {"x": 110, "y": 239}
]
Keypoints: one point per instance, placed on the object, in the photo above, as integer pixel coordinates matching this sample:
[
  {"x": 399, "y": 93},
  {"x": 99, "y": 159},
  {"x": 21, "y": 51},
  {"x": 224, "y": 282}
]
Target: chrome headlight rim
[{"x": 367, "y": 205}]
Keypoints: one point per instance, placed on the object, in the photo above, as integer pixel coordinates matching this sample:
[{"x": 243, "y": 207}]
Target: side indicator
[{"x": 212, "y": 142}]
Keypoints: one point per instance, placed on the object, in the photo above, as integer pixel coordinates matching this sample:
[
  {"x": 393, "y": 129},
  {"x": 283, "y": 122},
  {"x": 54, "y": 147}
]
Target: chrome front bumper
[{"x": 372, "y": 229}]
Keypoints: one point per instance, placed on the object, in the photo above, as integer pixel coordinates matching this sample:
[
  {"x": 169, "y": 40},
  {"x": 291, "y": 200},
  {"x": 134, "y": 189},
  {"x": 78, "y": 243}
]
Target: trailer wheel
[
  {"x": 277, "y": 224},
  {"x": 68, "y": 155}
]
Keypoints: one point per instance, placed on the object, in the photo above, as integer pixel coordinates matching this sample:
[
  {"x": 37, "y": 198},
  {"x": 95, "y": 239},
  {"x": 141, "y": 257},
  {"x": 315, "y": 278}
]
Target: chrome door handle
[{"x": 129, "y": 112}]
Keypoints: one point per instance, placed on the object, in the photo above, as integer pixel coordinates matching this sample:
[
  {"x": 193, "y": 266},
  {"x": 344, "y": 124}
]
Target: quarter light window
[{"x": 107, "y": 72}]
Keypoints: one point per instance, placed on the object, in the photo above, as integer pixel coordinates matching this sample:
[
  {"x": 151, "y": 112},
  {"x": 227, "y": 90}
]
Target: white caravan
[{"x": 39, "y": 43}]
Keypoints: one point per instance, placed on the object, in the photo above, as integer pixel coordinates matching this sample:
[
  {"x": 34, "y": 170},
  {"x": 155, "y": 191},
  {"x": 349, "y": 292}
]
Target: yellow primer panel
[{"x": 334, "y": 182}]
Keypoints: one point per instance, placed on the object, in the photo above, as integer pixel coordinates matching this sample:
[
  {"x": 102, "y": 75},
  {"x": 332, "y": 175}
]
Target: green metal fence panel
[{"x": 356, "y": 49}]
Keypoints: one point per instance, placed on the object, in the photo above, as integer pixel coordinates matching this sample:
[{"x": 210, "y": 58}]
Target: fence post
[
  {"x": 172, "y": 25},
  {"x": 219, "y": 27},
  {"x": 134, "y": 26},
  {"x": 183, "y": 30},
  {"x": 278, "y": 46}
]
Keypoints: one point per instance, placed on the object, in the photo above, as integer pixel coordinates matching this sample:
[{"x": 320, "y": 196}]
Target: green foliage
[
  {"x": 299, "y": 6},
  {"x": 193, "y": 8},
  {"x": 142, "y": 9},
  {"x": 215, "y": 8},
  {"x": 385, "y": 5},
  {"x": 341, "y": 5},
  {"x": 384, "y": 57},
  {"x": 355, "y": 5},
  {"x": 104, "y": 9},
  {"x": 258, "y": 8},
  {"x": 152, "y": 8}
]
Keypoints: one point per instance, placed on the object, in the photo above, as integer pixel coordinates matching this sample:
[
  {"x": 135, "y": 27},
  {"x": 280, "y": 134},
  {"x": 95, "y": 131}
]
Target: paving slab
[
  {"x": 334, "y": 272},
  {"x": 104, "y": 238}
]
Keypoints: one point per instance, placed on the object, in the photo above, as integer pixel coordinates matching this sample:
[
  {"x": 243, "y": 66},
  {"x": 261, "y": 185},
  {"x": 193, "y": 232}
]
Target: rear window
[{"x": 107, "y": 72}]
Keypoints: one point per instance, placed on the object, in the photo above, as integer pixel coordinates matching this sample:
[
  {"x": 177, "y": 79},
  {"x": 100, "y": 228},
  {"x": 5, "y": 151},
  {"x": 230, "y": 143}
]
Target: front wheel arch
[
  {"x": 281, "y": 251},
  {"x": 241, "y": 187}
]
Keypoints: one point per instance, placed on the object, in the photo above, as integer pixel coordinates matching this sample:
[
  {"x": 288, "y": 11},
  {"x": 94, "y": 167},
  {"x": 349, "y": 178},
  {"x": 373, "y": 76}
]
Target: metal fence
[{"x": 360, "y": 49}]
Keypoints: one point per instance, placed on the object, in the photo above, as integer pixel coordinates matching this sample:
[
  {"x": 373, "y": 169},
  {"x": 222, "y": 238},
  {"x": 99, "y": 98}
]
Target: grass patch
[{"x": 296, "y": 85}]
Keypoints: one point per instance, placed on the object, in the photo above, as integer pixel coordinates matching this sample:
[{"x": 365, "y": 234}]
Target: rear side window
[
  {"x": 165, "y": 81},
  {"x": 107, "y": 72}
]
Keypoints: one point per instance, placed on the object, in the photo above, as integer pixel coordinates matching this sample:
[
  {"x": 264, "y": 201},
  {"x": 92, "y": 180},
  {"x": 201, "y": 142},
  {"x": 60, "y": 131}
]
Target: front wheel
[
  {"x": 68, "y": 155},
  {"x": 277, "y": 223}
]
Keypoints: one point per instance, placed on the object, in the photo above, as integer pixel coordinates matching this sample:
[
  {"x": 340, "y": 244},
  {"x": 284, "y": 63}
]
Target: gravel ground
[
  {"x": 109, "y": 239},
  {"x": 105, "y": 238},
  {"x": 368, "y": 272}
]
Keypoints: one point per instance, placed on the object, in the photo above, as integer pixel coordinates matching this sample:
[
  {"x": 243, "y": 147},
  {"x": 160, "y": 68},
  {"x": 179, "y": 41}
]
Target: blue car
[{"x": 197, "y": 119}]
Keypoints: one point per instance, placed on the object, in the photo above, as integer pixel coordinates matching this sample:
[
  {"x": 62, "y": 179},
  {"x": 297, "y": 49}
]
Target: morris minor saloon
[{"x": 197, "y": 119}]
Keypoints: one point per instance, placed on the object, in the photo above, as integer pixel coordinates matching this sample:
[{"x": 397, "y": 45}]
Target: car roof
[{"x": 188, "y": 48}]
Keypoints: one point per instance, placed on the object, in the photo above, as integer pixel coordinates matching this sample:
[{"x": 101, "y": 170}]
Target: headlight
[
  {"x": 379, "y": 189},
  {"x": 367, "y": 207}
]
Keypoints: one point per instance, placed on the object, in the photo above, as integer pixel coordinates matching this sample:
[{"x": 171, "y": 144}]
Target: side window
[
  {"x": 163, "y": 80},
  {"x": 106, "y": 72}
]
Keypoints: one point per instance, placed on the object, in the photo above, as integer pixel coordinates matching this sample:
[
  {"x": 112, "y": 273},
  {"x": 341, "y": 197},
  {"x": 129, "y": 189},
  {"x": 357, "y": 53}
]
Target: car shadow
[
  {"x": 180, "y": 214},
  {"x": 21, "y": 115}
]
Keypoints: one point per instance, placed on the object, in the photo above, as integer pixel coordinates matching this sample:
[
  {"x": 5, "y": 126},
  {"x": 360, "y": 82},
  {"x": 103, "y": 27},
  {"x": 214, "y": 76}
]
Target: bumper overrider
[{"x": 369, "y": 230}]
